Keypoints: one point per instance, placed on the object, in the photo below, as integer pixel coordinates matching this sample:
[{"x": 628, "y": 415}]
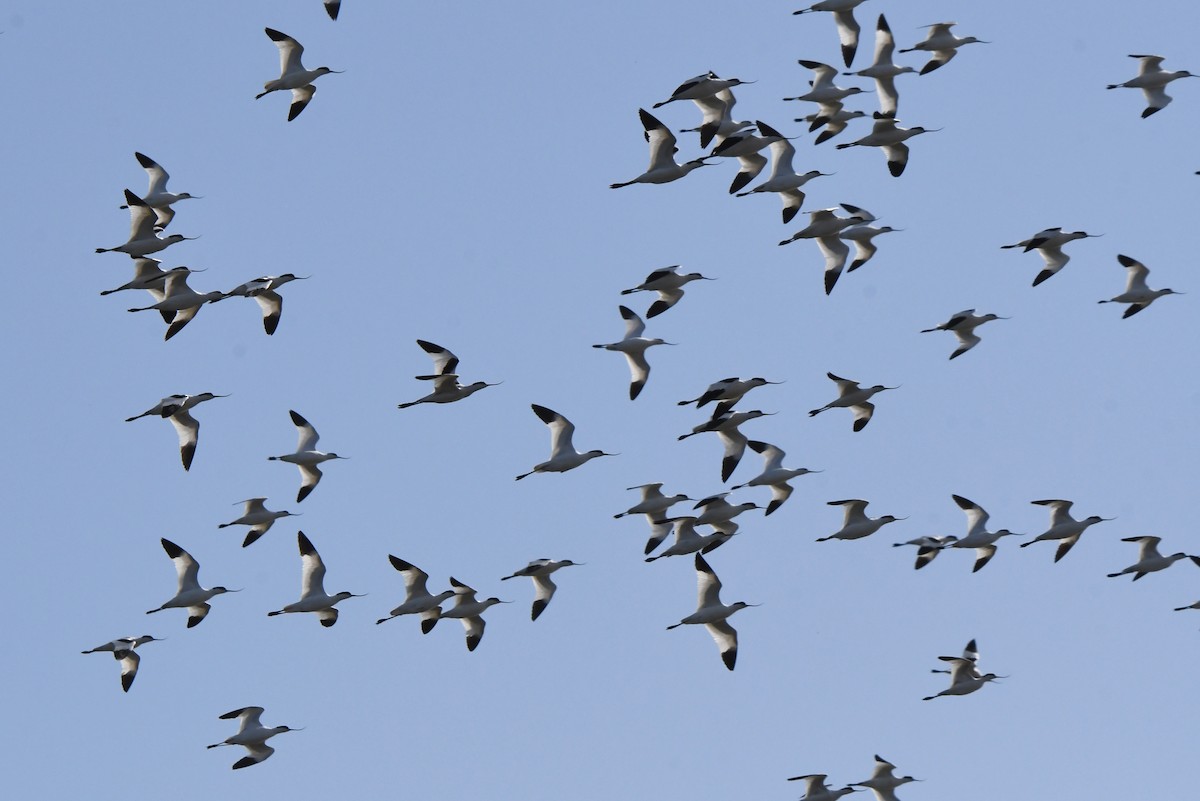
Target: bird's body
[
  {"x": 705, "y": 84},
  {"x": 251, "y": 735},
  {"x": 292, "y": 75},
  {"x": 563, "y": 456},
  {"x": 633, "y": 345},
  {"x": 123, "y": 650},
  {"x": 884, "y": 70},
  {"x": 965, "y": 678},
  {"x": 927, "y": 548},
  {"x": 855, "y": 523},
  {"x": 189, "y": 595},
  {"x": 853, "y": 397},
  {"x": 264, "y": 292},
  {"x": 1049, "y": 244},
  {"x": 313, "y": 597},
  {"x": 890, "y": 138},
  {"x": 176, "y": 408},
  {"x": 668, "y": 282},
  {"x": 1137, "y": 295},
  {"x": 942, "y": 44},
  {"x": 978, "y": 537},
  {"x": 417, "y": 599},
  {"x": 539, "y": 571},
  {"x": 446, "y": 388},
  {"x": 713, "y": 614},
  {"x": 663, "y": 168},
  {"x": 307, "y": 457},
  {"x": 884, "y": 781},
  {"x": 774, "y": 474},
  {"x": 963, "y": 324},
  {"x": 258, "y": 517},
  {"x": 1149, "y": 559},
  {"x": 1064, "y": 528},
  {"x": 143, "y": 237},
  {"x": 1152, "y": 79},
  {"x": 467, "y": 609}
]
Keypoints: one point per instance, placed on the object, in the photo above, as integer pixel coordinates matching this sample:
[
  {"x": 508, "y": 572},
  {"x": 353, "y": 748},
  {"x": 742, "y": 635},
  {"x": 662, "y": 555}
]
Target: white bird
[
  {"x": 815, "y": 789},
  {"x": 727, "y": 392},
  {"x": 469, "y": 611},
  {"x": 689, "y": 541},
  {"x": 668, "y": 282},
  {"x": 745, "y": 147},
  {"x": 822, "y": 88},
  {"x": 1049, "y": 243},
  {"x": 446, "y": 388},
  {"x": 181, "y": 300},
  {"x": 176, "y": 408},
  {"x": 148, "y": 276},
  {"x": 706, "y": 84},
  {"x": 258, "y": 517},
  {"x": 855, "y": 523},
  {"x": 834, "y": 116},
  {"x": 863, "y": 237},
  {"x": 927, "y": 548},
  {"x": 143, "y": 238},
  {"x": 826, "y": 227},
  {"x": 774, "y": 474},
  {"x": 313, "y": 597},
  {"x": 884, "y": 781},
  {"x": 713, "y": 614},
  {"x": 539, "y": 570},
  {"x": 784, "y": 179},
  {"x": 332, "y": 7},
  {"x": 634, "y": 346},
  {"x": 964, "y": 677},
  {"x": 978, "y": 537},
  {"x": 718, "y": 122},
  {"x": 1149, "y": 559},
  {"x": 417, "y": 599},
  {"x": 725, "y": 426},
  {"x": 263, "y": 290},
  {"x": 663, "y": 167},
  {"x": 307, "y": 457},
  {"x": 853, "y": 397},
  {"x": 563, "y": 456},
  {"x": 251, "y": 735},
  {"x": 292, "y": 74},
  {"x": 843, "y": 15},
  {"x": 123, "y": 651},
  {"x": 189, "y": 595},
  {"x": 963, "y": 324},
  {"x": 970, "y": 653},
  {"x": 1152, "y": 79},
  {"x": 654, "y": 505},
  {"x": 887, "y": 136},
  {"x": 942, "y": 44},
  {"x": 718, "y": 511},
  {"x": 1136, "y": 293},
  {"x": 157, "y": 197},
  {"x": 1063, "y": 527},
  {"x": 884, "y": 70}
]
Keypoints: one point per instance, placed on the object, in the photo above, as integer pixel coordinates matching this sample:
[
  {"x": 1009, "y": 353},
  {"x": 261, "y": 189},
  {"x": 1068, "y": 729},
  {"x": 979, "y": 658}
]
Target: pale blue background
[{"x": 452, "y": 185}]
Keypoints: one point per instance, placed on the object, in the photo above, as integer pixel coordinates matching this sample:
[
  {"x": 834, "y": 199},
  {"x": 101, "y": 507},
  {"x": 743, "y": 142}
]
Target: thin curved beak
[{"x": 498, "y": 383}]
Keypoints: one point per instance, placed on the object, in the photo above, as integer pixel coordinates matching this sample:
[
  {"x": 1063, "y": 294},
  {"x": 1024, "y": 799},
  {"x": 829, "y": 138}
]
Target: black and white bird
[
  {"x": 689, "y": 541},
  {"x": 1137, "y": 295},
  {"x": 718, "y": 121},
  {"x": 1152, "y": 79},
  {"x": 825, "y": 226},
  {"x": 822, "y": 88},
  {"x": 264, "y": 291},
  {"x": 863, "y": 237},
  {"x": 470, "y": 611},
  {"x": 307, "y": 458},
  {"x": 855, "y": 523},
  {"x": 853, "y": 397},
  {"x": 143, "y": 235},
  {"x": 726, "y": 427},
  {"x": 706, "y": 84},
  {"x": 884, "y": 781},
  {"x": 260, "y": 519},
  {"x": 446, "y": 388},
  {"x": 654, "y": 506},
  {"x": 180, "y": 301},
  {"x": 313, "y": 597},
  {"x": 292, "y": 74},
  {"x": 663, "y": 168},
  {"x": 1049, "y": 244},
  {"x": 539, "y": 570},
  {"x": 927, "y": 548},
  {"x": 1063, "y": 527},
  {"x": 745, "y": 147},
  {"x": 668, "y": 282},
  {"x": 1149, "y": 559},
  {"x": 978, "y": 537},
  {"x": 633, "y": 345},
  {"x": 784, "y": 180},
  {"x": 177, "y": 409},
  {"x": 847, "y": 26},
  {"x": 815, "y": 788},
  {"x": 123, "y": 650},
  {"x": 157, "y": 197},
  {"x": 884, "y": 70},
  {"x": 963, "y": 324},
  {"x": 774, "y": 474},
  {"x": 251, "y": 735},
  {"x": 189, "y": 594},
  {"x": 942, "y": 44},
  {"x": 890, "y": 138},
  {"x": 713, "y": 614},
  {"x": 726, "y": 392},
  {"x": 417, "y": 598},
  {"x": 965, "y": 677},
  {"x": 563, "y": 456}
]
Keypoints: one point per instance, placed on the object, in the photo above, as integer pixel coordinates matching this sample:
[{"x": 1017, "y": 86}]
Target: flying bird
[
  {"x": 263, "y": 291},
  {"x": 826, "y": 227},
  {"x": 143, "y": 236},
  {"x": 884, "y": 781},
  {"x": 834, "y": 116},
  {"x": 727, "y": 392},
  {"x": 965, "y": 678},
  {"x": 745, "y": 147},
  {"x": 446, "y": 388},
  {"x": 1049, "y": 244},
  {"x": 1152, "y": 79},
  {"x": 978, "y": 537},
  {"x": 668, "y": 282},
  {"x": 942, "y": 44},
  {"x": 189, "y": 595},
  {"x": 884, "y": 70},
  {"x": 258, "y": 517},
  {"x": 774, "y": 474},
  {"x": 1136, "y": 293},
  {"x": 822, "y": 89},
  {"x": 784, "y": 179},
  {"x": 469, "y": 611},
  {"x": 1149, "y": 559},
  {"x": 417, "y": 599},
  {"x": 705, "y": 84},
  {"x": 1064, "y": 528},
  {"x": 539, "y": 570},
  {"x": 563, "y": 456},
  {"x": 927, "y": 548},
  {"x": 180, "y": 301},
  {"x": 663, "y": 168},
  {"x": 654, "y": 505},
  {"x": 313, "y": 597},
  {"x": 890, "y": 138},
  {"x": 713, "y": 614},
  {"x": 157, "y": 197},
  {"x": 815, "y": 789},
  {"x": 963, "y": 324},
  {"x": 177, "y": 408},
  {"x": 863, "y": 237},
  {"x": 726, "y": 427},
  {"x": 123, "y": 651},
  {"x": 689, "y": 541},
  {"x": 717, "y": 122},
  {"x": 251, "y": 735},
  {"x": 292, "y": 74},
  {"x": 853, "y": 397},
  {"x": 855, "y": 523},
  {"x": 847, "y": 26},
  {"x": 634, "y": 346},
  {"x": 307, "y": 458}
]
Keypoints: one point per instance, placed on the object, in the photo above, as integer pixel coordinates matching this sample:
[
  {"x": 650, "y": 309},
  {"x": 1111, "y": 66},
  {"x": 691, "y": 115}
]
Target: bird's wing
[
  {"x": 301, "y": 97},
  {"x": 290, "y": 52},
  {"x": 312, "y": 569},
  {"x": 1137, "y": 273},
  {"x": 310, "y": 475},
  {"x": 561, "y": 430},
  {"x": 414, "y": 577},
  {"x": 307, "y": 439},
  {"x": 634, "y": 326},
  {"x": 725, "y": 637},
  {"x": 271, "y": 303},
  {"x": 187, "y": 569},
  {"x": 862, "y": 414},
  {"x": 708, "y": 586},
  {"x": 129, "y": 667},
  {"x": 188, "y": 429},
  {"x": 662, "y": 141},
  {"x": 444, "y": 361},
  {"x": 977, "y": 517}
]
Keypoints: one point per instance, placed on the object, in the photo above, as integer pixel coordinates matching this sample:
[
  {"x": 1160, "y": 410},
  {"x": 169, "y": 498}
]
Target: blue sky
[{"x": 452, "y": 185}]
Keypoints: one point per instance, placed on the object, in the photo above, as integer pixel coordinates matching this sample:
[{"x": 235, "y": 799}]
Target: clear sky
[{"x": 452, "y": 185}]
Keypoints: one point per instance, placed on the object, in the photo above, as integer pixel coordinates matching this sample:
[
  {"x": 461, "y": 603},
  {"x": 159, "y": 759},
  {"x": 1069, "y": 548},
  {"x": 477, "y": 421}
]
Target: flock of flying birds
[{"x": 833, "y": 231}]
